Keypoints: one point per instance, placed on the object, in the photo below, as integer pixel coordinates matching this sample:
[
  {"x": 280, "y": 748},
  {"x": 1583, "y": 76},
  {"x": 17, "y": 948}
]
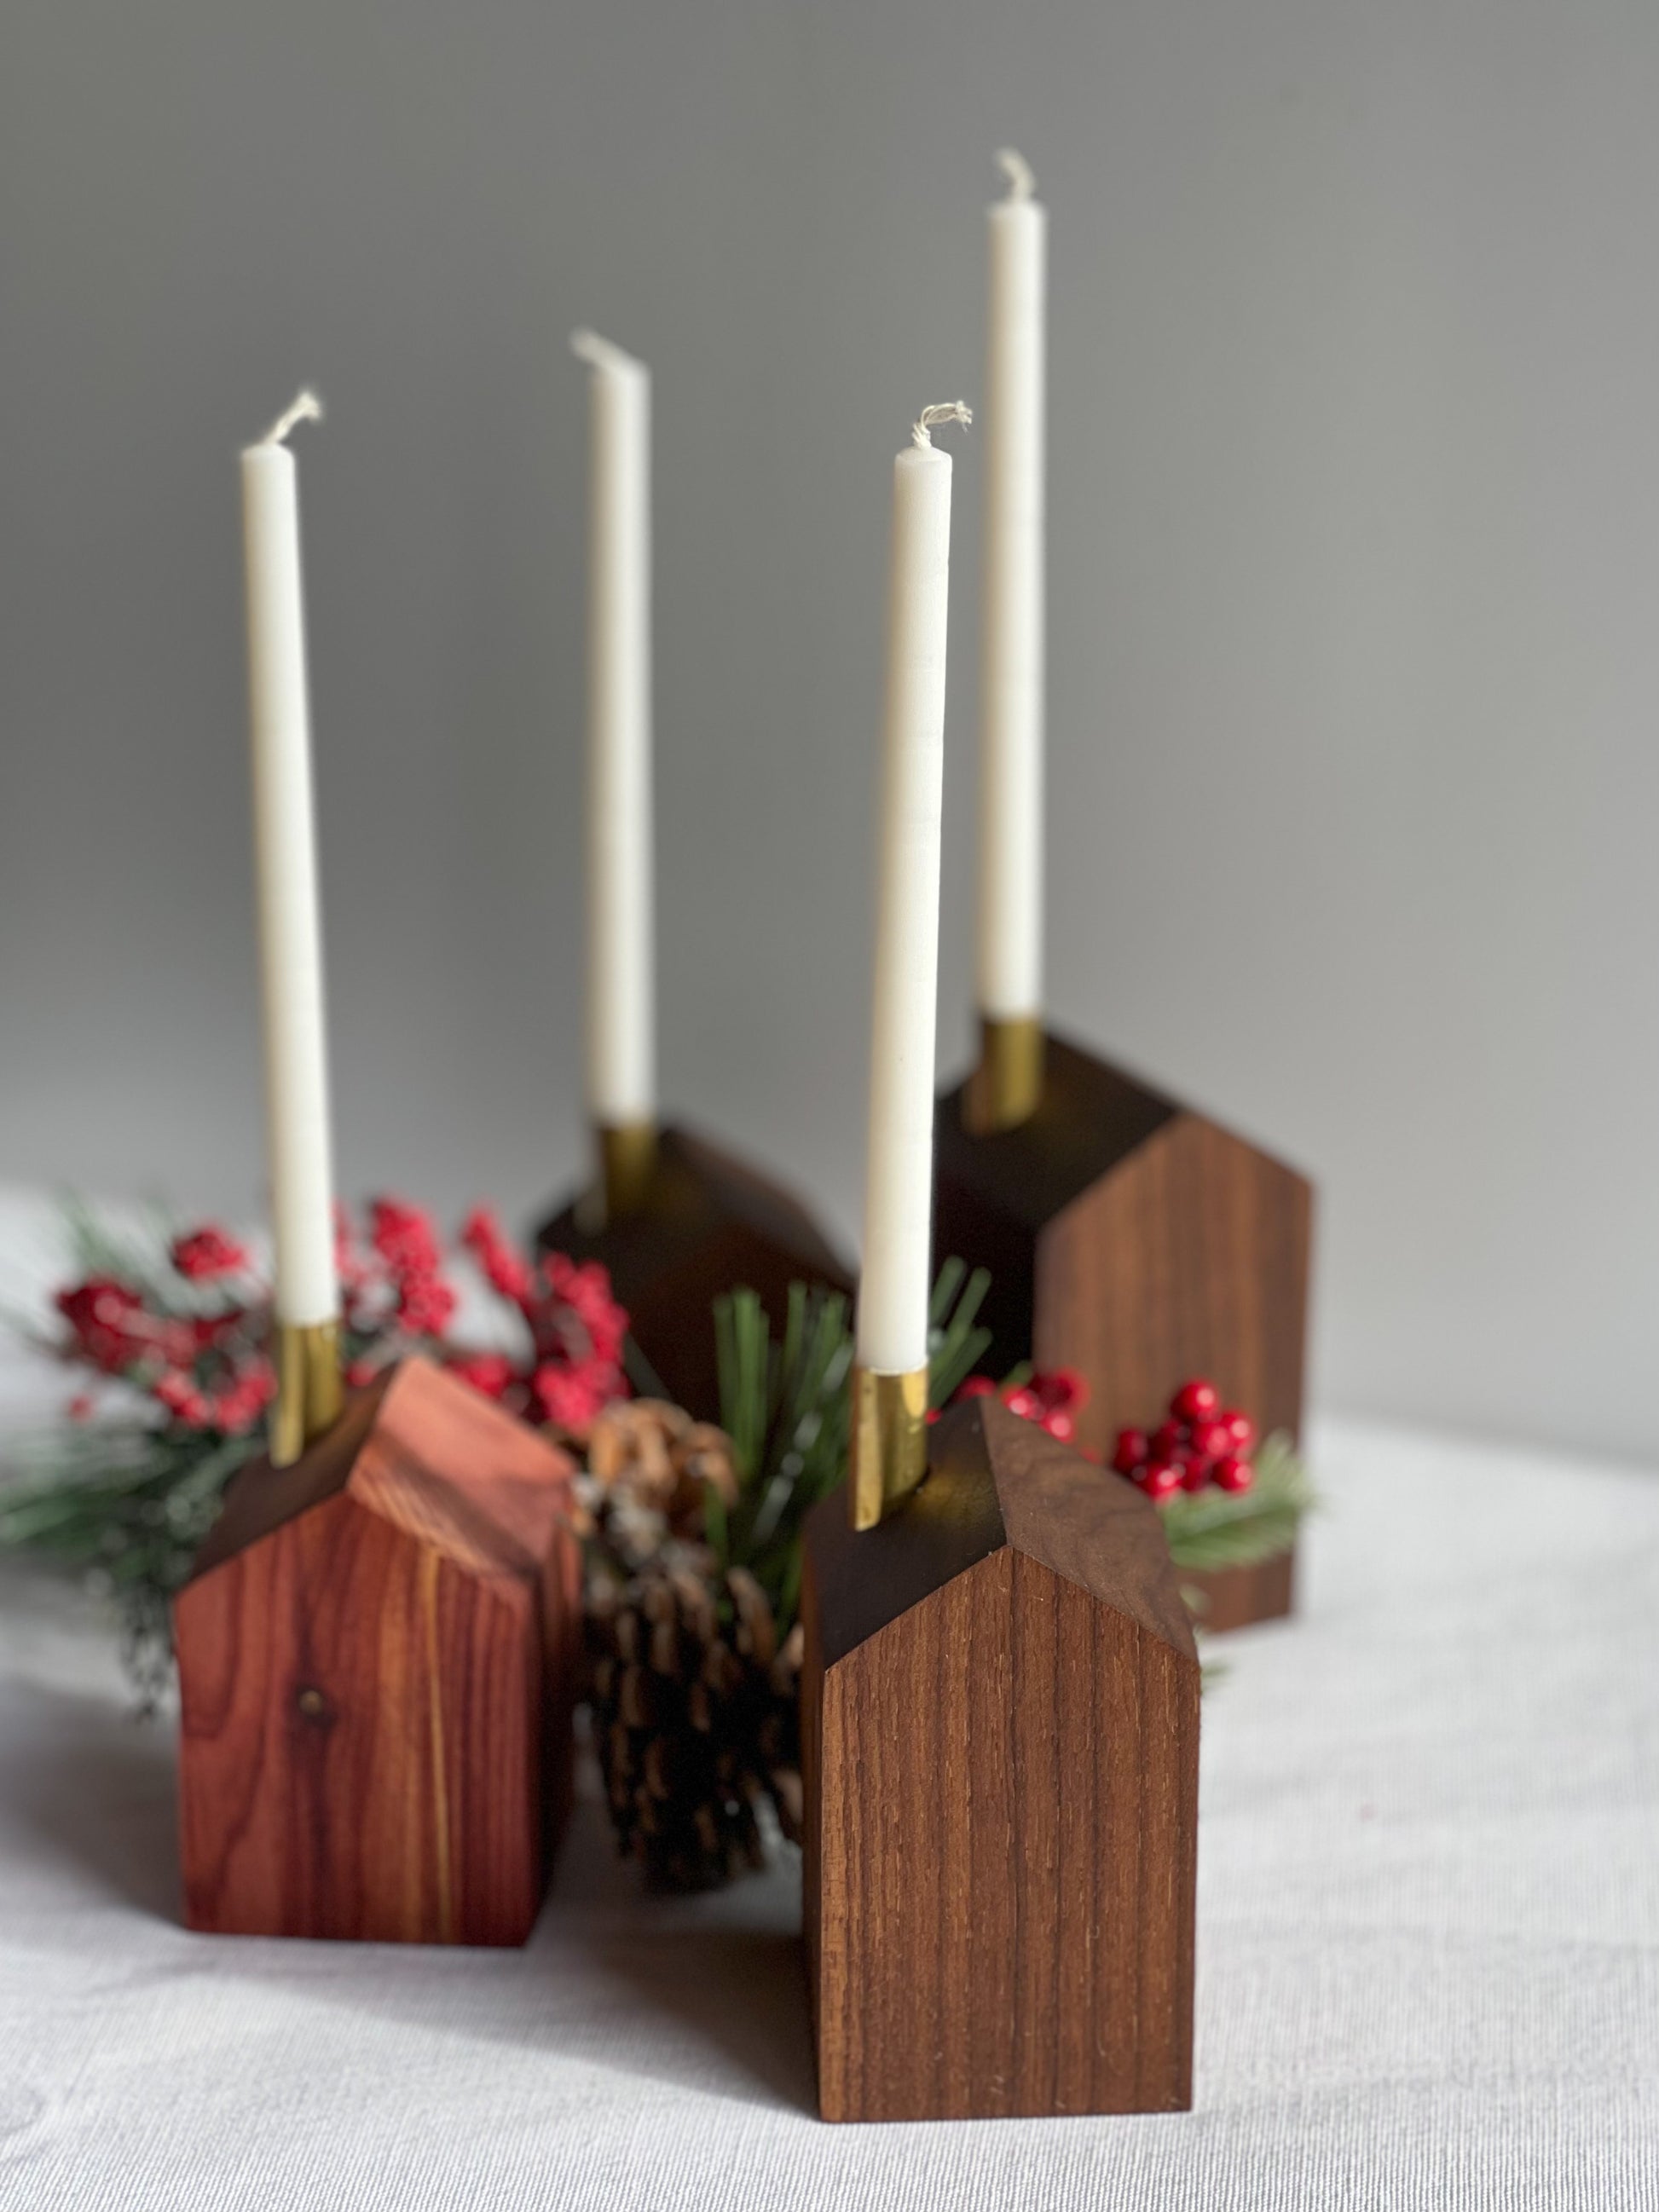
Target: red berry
[
  {"x": 1168, "y": 1440},
  {"x": 405, "y": 1237},
  {"x": 505, "y": 1269},
  {"x": 1196, "y": 1468},
  {"x": 1025, "y": 1403},
  {"x": 977, "y": 1386},
  {"x": 1234, "y": 1474},
  {"x": 1059, "y": 1423},
  {"x": 110, "y": 1328},
  {"x": 1195, "y": 1401},
  {"x": 425, "y": 1305},
  {"x": 1130, "y": 1450},
  {"x": 490, "y": 1373},
  {"x": 183, "y": 1400},
  {"x": 1161, "y": 1480},
  {"x": 1240, "y": 1428},
  {"x": 1062, "y": 1391},
  {"x": 206, "y": 1254},
  {"x": 1213, "y": 1438}
]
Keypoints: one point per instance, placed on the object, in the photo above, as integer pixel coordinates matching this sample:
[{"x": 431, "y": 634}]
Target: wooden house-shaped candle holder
[
  {"x": 378, "y": 1650},
  {"x": 707, "y": 1224},
  {"x": 1000, "y": 1728},
  {"x": 1142, "y": 1245}
]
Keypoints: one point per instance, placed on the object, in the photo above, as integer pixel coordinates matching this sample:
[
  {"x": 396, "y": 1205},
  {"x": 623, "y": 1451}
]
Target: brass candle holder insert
[
  {"x": 625, "y": 1161},
  {"x": 310, "y": 1392},
  {"x": 1005, "y": 1087},
  {"x": 887, "y": 1442}
]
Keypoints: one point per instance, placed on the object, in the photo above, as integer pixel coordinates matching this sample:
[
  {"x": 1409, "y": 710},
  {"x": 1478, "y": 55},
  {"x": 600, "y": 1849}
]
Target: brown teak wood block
[
  {"x": 999, "y": 1725},
  {"x": 378, "y": 1652},
  {"x": 710, "y": 1224},
  {"x": 1133, "y": 1240}
]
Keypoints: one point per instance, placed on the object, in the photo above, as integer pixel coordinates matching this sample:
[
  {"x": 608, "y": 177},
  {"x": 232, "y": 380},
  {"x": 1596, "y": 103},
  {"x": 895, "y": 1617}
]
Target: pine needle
[
  {"x": 957, "y": 1343},
  {"x": 1211, "y": 1528},
  {"x": 784, "y": 1405}
]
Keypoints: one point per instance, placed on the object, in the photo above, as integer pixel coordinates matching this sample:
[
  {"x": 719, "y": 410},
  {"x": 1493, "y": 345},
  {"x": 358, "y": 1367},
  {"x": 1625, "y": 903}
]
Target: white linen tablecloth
[{"x": 1428, "y": 1937}]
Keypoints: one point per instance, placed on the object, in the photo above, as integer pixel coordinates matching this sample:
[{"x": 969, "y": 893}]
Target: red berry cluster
[
  {"x": 208, "y": 1255},
  {"x": 577, "y": 1330},
  {"x": 195, "y": 1355},
  {"x": 393, "y": 1290},
  {"x": 1053, "y": 1400},
  {"x": 193, "y": 1336},
  {"x": 1202, "y": 1442}
]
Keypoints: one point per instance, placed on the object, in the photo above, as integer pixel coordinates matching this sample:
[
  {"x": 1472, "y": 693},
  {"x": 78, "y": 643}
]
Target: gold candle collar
[
  {"x": 889, "y": 1442},
  {"x": 310, "y": 1395},
  {"x": 626, "y": 1164},
  {"x": 1004, "y": 1089}
]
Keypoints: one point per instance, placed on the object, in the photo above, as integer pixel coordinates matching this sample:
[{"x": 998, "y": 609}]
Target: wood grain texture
[
  {"x": 1238, "y": 1597},
  {"x": 1135, "y": 1240},
  {"x": 1001, "y": 1769},
  {"x": 1192, "y": 1259},
  {"x": 377, "y": 1658},
  {"x": 712, "y": 1225}
]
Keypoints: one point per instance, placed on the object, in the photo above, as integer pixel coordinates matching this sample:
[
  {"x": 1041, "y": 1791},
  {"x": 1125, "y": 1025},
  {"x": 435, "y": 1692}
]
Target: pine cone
[
  {"x": 694, "y": 1718},
  {"x": 649, "y": 1465},
  {"x": 694, "y": 1705}
]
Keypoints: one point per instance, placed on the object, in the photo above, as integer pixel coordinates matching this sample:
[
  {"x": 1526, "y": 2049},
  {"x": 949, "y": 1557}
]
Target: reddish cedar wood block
[
  {"x": 709, "y": 1225},
  {"x": 999, "y": 1725},
  {"x": 1142, "y": 1245},
  {"x": 378, "y": 1650}
]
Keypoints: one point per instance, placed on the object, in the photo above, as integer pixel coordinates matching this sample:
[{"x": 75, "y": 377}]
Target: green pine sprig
[
  {"x": 125, "y": 1505},
  {"x": 1211, "y": 1528},
  {"x": 784, "y": 1403}
]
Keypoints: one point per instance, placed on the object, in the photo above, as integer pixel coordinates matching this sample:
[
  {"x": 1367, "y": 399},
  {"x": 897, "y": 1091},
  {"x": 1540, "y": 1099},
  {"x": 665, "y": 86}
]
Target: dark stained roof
[{"x": 996, "y": 1479}]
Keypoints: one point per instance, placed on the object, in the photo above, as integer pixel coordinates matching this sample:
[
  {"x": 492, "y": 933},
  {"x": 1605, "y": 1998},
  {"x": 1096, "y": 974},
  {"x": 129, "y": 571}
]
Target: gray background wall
[{"x": 1354, "y": 547}]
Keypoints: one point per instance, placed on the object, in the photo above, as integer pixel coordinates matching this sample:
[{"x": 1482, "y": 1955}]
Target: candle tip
[
  {"x": 953, "y": 410},
  {"x": 307, "y": 408},
  {"x": 1022, "y": 180},
  {"x": 599, "y": 353}
]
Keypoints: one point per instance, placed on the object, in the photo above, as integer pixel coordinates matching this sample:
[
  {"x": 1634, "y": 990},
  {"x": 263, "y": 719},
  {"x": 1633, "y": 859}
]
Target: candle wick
[
  {"x": 953, "y": 410},
  {"x": 599, "y": 353},
  {"x": 1022, "y": 181},
  {"x": 307, "y": 408}
]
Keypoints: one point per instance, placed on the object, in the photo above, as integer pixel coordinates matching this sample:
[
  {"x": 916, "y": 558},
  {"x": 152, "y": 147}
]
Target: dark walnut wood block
[
  {"x": 378, "y": 1653},
  {"x": 999, "y": 1725},
  {"x": 1131, "y": 1238},
  {"x": 709, "y": 1224},
  {"x": 1139, "y": 1242},
  {"x": 1237, "y": 1597}
]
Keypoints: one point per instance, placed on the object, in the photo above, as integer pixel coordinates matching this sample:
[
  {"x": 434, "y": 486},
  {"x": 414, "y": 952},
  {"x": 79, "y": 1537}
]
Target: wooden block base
[
  {"x": 378, "y": 1652},
  {"x": 999, "y": 1723},
  {"x": 1133, "y": 1240},
  {"x": 1239, "y": 1597},
  {"x": 708, "y": 1224}
]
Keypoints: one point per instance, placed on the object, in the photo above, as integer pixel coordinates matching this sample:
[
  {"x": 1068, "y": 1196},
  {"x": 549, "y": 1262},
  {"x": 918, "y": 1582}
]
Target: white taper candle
[
  {"x": 620, "y": 1025},
  {"x": 285, "y": 865},
  {"x": 893, "y": 1286},
  {"x": 1010, "y": 920}
]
